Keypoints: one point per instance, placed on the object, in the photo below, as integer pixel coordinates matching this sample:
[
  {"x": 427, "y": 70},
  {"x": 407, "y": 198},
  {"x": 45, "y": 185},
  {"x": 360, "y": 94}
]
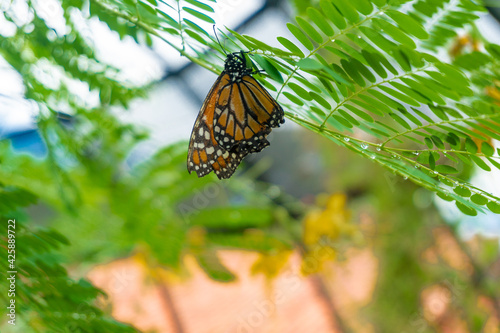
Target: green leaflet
[
  {"x": 317, "y": 17},
  {"x": 309, "y": 29},
  {"x": 199, "y": 15},
  {"x": 333, "y": 14},
  {"x": 347, "y": 10},
  {"x": 301, "y": 37},
  {"x": 200, "y": 5},
  {"x": 290, "y": 46},
  {"x": 408, "y": 24},
  {"x": 269, "y": 68}
]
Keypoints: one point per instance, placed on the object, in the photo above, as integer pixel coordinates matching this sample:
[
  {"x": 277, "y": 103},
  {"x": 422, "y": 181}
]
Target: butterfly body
[{"x": 234, "y": 121}]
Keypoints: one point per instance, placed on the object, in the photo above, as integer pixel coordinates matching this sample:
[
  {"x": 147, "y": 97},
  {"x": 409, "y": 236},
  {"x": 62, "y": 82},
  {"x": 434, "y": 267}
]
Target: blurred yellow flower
[
  {"x": 330, "y": 222},
  {"x": 321, "y": 228},
  {"x": 270, "y": 264}
]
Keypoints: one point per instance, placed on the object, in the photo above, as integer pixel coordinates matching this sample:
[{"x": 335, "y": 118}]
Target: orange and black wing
[
  {"x": 205, "y": 154},
  {"x": 244, "y": 115}
]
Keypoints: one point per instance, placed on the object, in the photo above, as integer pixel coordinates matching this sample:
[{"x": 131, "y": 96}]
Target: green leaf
[
  {"x": 365, "y": 7},
  {"x": 213, "y": 267},
  {"x": 363, "y": 70},
  {"x": 293, "y": 98},
  {"x": 432, "y": 161},
  {"x": 379, "y": 3},
  {"x": 410, "y": 92},
  {"x": 195, "y": 36},
  {"x": 320, "y": 100},
  {"x": 479, "y": 199},
  {"x": 318, "y": 19},
  {"x": 487, "y": 149},
  {"x": 290, "y": 46},
  {"x": 348, "y": 117},
  {"x": 378, "y": 39},
  {"x": 480, "y": 163},
  {"x": 199, "y": 15},
  {"x": 395, "y": 33},
  {"x": 201, "y": 5},
  {"x": 400, "y": 121},
  {"x": 466, "y": 209},
  {"x": 309, "y": 29},
  {"x": 495, "y": 163},
  {"x": 350, "y": 51},
  {"x": 437, "y": 141},
  {"x": 333, "y": 14},
  {"x": 443, "y": 168},
  {"x": 311, "y": 85},
  {"x": 347, "y": 10},
  {"x": 269, "y": 68},
  {"x": 384, "y": 99},
  {"x": 374, "y": 62},
  {"x": 408, "y": 24},
  {"x": 470, "y": 146},
  {"x": 300, "y": 91},
  {"x": 301, "y": 37},
  {"x": 359, "y": 113},
  {"x": 342, "y": 120},
  {"x": 195, "y": 27},
  {"x": 494, "y": 207},
  {"x": 352, "y": 70},
  {"x": 309, "y": 64},
  {"x": 422, "y": 89},
  {"x": 384, "y": 109},
  {"x": 403, "y": 98}
]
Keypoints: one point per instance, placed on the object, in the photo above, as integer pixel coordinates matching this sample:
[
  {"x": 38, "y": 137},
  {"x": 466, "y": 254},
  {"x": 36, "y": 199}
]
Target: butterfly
[{"x": 234, "y": 121}]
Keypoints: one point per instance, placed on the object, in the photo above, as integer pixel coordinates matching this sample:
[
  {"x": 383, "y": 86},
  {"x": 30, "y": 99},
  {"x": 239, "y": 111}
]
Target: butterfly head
[{"x": 236, "y": 65}]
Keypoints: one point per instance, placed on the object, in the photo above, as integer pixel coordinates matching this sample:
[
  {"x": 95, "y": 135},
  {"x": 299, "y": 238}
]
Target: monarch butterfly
[{"x": 234, "y": 120}]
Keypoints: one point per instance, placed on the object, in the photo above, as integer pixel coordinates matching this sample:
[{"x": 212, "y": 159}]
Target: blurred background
[{"x": 306, "y": 237}]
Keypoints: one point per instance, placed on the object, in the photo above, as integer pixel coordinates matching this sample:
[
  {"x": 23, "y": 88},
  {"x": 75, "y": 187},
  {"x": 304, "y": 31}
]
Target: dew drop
[
  {"x": 364, "y": 146},
  {"x": 416, "y": 153},
  {"x": 372, "y": 157},
  {"x": 379, "y": 149},
  {"x": 346, "y": 139}
]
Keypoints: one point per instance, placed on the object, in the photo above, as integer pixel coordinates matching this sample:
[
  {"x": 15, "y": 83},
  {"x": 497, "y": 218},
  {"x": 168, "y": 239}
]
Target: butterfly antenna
[{"x": 218, "y": 41}]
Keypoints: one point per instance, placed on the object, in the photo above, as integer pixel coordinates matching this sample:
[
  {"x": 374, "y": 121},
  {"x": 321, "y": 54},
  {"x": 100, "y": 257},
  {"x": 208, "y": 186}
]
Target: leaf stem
[{"x": 180, "y": 26}]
